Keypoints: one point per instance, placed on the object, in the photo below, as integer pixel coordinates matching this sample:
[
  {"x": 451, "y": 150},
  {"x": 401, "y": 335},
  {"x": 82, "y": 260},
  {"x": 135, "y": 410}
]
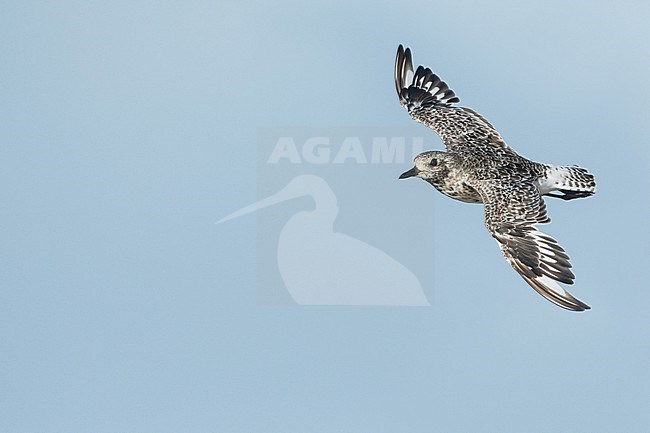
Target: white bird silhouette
[{"x": 321, "y": 267}]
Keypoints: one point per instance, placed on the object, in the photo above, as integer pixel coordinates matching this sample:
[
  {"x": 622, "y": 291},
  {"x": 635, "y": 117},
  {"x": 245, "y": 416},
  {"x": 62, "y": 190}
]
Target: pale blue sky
[{"x": 129, "y": 128}]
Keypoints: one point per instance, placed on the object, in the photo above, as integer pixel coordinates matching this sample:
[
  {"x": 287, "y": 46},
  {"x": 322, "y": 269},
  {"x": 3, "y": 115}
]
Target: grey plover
[{"x": 477, "y": 166}]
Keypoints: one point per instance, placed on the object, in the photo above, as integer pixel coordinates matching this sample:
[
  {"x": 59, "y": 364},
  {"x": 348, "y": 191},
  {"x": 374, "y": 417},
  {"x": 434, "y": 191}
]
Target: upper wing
[
  {"x": 429, "y": 101},
  {"x": 511, "y": 213}
]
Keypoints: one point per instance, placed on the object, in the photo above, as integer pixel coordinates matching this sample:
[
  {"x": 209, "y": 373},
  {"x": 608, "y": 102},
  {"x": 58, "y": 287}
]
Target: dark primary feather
[{"x": 424, "y": 89}]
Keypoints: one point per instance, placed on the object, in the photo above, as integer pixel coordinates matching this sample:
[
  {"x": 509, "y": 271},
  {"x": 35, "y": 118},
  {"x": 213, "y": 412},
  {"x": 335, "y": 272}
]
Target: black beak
[{"x": 412, "y": 172}]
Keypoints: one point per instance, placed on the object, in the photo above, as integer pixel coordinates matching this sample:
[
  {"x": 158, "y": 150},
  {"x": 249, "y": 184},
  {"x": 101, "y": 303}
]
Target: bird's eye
[{"x": 433, "y": 162}]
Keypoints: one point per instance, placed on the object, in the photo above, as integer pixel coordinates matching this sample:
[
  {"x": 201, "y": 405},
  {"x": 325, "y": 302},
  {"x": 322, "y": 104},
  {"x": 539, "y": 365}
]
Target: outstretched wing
[
  {"x": 511, "y": 213},
  {"x": 430, "y": 101}
]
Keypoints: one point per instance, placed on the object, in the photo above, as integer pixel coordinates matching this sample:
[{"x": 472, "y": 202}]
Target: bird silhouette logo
[{"x": 322, "y": 267}]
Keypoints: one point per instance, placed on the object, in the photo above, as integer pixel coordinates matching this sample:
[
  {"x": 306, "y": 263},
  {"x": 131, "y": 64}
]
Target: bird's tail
[{"x": 571, "y": 181}]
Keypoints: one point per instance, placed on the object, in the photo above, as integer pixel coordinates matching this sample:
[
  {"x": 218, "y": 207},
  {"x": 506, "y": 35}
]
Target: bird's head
[{"x": 429, "y": 166}]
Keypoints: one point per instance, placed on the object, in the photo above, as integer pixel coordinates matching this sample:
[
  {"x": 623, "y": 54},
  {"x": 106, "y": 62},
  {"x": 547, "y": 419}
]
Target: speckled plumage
[{"x": 477, "y": 166}]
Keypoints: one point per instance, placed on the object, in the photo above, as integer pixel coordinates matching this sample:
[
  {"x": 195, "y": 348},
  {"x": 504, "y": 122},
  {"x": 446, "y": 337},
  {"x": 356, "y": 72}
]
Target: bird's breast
[{"x": 458, "y": 190}]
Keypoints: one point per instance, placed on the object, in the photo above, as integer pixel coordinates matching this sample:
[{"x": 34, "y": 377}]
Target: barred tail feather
[{"x": 571, "y": 181}]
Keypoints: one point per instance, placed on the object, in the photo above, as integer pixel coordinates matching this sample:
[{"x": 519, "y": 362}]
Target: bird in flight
[{"x": 477, "y": 166}]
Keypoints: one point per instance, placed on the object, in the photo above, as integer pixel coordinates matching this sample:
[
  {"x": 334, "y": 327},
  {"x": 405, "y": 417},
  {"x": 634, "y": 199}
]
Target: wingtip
[
  {"x": 403, "y": 64},
  {"x": 424, "y": 87},
  {"x": 554, "y": 293}
]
